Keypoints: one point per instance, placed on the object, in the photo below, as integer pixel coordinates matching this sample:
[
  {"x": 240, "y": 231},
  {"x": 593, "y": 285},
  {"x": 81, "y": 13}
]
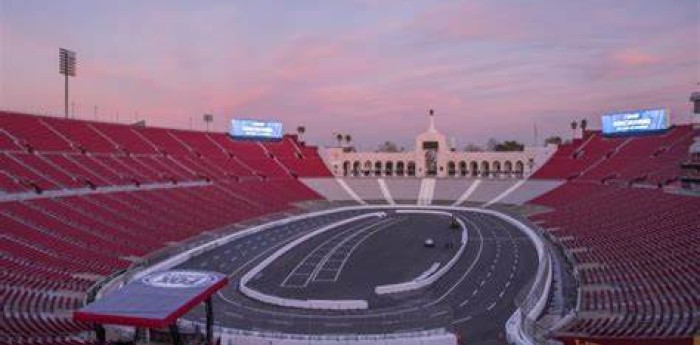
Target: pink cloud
[
  {"x": 470, "y": 21},
  {"x": 631, "y": 57}
]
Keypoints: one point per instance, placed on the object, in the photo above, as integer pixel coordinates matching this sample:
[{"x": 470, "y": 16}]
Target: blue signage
[
  {"x": 637, "y": 121},
  {"x": 255, "y": 129}
]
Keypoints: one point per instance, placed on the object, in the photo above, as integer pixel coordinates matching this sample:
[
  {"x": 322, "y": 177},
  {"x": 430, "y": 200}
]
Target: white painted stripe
[
  {"x": 349, "y": 190},
  {"x": 419, "y": 284},
  {"x": 385, "y": 191},
  {"x": 464, "y": 275},
  {"x": 57, "y": 193},
  {"x": 352, "y": 250},
  {"x": 319, "y": 251},
  {"x": 462, "y": 198},
  {"x": 464, "y": 319},
  {"x": 337, "y": 246},
  {"x": 427, "y": 189},
  {"x": 505, "y": 193},
  {"x": 420, "y": 192},
  {"x": 308, "y": 304},
  {"x": 443, "y": 213}
]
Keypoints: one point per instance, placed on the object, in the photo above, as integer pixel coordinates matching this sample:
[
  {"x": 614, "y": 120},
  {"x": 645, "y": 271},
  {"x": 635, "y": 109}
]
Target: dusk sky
[{"x": 371, "y": 68}]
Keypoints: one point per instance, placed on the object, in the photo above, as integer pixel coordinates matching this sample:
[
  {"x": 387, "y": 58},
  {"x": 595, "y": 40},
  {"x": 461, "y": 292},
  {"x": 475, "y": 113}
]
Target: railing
[
  {"x": 522, "y": 326},
  {"x": 230, "y": 336}
]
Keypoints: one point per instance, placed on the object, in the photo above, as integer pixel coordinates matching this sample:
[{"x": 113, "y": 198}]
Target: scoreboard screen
[
  {"x": 256, "y": 129},
  {"x": 636, "y": 121}
]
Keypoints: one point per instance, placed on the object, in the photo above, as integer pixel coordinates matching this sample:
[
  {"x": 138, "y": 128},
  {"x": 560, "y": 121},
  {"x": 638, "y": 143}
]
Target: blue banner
[
  {"x": 255, "y": 129},
  {"x": 637, "y": 121}
]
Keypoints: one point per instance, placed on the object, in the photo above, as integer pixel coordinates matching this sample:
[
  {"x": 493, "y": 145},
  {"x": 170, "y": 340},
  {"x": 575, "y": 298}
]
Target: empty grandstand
[
  {"x": 357, "y": 172},
  {"x": 82, "y": 201},
  {"x": 600, "y": 242}
]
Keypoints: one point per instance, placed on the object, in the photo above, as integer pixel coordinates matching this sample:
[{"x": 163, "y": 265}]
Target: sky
[{"x": 370, "y": 68}]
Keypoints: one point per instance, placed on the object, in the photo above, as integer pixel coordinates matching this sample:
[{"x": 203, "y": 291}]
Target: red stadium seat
[{"x": 57, "y": 247}]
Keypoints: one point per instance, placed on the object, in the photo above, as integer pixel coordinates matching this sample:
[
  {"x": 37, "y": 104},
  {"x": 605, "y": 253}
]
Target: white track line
[
  {"x": 319, "y": 265},
  {"x": 349, "y": 253},
  {"x": 306, "y": 261},
  {"x": 461, "y": 279}
]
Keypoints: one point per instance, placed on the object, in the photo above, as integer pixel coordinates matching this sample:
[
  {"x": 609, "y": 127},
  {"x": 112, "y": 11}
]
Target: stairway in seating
[
  {"x": 385, "y": 191},
  {"x": 425, "y": 193}
]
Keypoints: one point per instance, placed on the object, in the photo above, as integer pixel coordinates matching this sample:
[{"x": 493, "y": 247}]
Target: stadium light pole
[
  {"x": 207, "y": 118},
  {"x": 66, "y": 62}
]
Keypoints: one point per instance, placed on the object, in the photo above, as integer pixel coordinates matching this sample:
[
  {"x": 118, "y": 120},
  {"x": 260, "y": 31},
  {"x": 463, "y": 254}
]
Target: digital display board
[
  {"x": 636, "y": 121},
  {"x": 256, "y": 129}
]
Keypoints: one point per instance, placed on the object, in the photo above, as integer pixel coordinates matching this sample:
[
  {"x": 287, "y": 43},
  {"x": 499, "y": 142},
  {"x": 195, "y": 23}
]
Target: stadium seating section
[
  {"x": 82, "y": 200},
  {"x": 651, "y": 159},
  {"x": 634, "y": 245},
  {"x": 61, "y": 234},
  {"x": 635, "y": 251}
]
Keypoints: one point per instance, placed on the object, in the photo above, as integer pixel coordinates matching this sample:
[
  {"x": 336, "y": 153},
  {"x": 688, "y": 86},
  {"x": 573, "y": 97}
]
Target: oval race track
[{"x": 473, "y": 299}]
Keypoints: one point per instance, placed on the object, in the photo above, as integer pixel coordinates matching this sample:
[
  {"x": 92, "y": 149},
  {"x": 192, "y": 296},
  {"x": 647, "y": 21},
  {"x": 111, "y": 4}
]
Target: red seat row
[
  {"x": 55, "y": 248},
  {"x": 635, "y": 250},
  {"x": 649, "y": 159}
]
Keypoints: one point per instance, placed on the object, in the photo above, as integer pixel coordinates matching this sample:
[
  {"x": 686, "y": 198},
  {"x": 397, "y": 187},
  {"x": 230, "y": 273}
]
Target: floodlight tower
[
  {"x": 66, "y": 65},
  {"x": 208, "y": 119}
]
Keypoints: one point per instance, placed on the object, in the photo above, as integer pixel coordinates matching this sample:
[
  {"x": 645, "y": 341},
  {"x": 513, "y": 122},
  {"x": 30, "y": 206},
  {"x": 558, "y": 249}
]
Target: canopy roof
[{"x": 155, "y": 300}]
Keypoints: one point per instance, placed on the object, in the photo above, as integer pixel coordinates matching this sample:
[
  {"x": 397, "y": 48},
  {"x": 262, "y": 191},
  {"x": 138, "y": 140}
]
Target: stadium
[{"x": 124, "y": 232}]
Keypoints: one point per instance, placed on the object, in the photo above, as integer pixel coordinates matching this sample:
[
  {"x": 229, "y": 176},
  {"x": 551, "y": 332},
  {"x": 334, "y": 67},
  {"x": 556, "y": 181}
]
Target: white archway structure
[{"x": 434, "y": 157}]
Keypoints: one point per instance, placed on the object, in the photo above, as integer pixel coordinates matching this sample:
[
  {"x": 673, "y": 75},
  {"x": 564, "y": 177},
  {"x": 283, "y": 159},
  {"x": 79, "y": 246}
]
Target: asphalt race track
[{"x": 473, "y": 299}]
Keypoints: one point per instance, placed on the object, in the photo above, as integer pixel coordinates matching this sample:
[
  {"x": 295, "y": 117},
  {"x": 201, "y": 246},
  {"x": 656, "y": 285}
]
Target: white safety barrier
[
  {"x": 398, "y": 339},
  {"x": 439, "y": 336},
  {"x": 434, "y": 267},
  {"x": 419, "y": 211},
  {"x": 430, "y": 279}
]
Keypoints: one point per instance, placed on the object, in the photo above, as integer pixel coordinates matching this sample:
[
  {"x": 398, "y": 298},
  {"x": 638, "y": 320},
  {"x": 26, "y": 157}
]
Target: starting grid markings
[
  {"x": 327, "y": 260},
  {"x": 330, "y": 270}
]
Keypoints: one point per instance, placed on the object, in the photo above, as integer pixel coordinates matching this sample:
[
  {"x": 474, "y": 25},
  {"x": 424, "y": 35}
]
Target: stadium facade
[{"x": 434, "y": 156}]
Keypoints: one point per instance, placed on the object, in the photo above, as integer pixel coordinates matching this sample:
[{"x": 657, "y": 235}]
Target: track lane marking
[
  {"x": 347, "y": 255},
  {"x": 464, "y": 319},
  {"x": 345, "y": 240},
  {"x": 461, "y": 279},
  {"x": 318, "y": 252},
  {"x": 306, "y": 316}
]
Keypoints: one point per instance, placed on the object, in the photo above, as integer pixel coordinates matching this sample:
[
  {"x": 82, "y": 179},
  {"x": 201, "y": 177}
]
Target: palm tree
[
  {"x": 584, "y": 124},
  {"x": 339, "y": 138},
  {"x": 300, "y": 133},
  {"x": 574, "y": 125},
  {"x": 348, "y": 139}
]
